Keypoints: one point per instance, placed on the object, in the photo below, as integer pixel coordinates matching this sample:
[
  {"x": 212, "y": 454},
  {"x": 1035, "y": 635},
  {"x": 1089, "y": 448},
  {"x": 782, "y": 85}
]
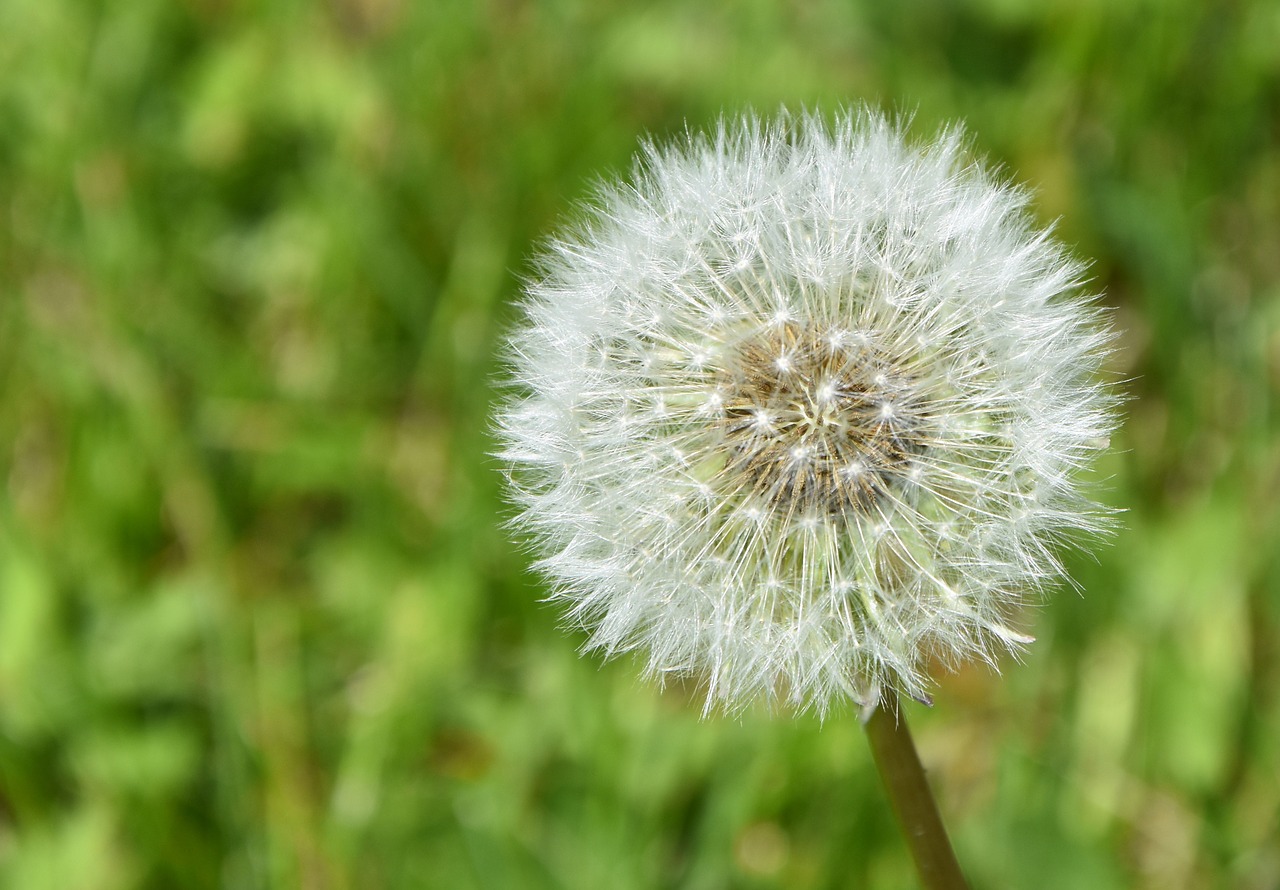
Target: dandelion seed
[{"x": 861, "y": 359}]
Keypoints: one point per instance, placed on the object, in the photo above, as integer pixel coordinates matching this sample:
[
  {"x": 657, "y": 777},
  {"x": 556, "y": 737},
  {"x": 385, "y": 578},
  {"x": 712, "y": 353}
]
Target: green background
[{"x": 260, "y": 625}]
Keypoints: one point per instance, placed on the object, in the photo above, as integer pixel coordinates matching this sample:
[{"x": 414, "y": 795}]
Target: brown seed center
[{"x": 818, "y": 421}]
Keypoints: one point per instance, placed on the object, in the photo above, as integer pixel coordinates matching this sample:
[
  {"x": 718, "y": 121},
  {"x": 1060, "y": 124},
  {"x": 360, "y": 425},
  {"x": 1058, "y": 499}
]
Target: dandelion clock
[{"x": 798, "y": 411}]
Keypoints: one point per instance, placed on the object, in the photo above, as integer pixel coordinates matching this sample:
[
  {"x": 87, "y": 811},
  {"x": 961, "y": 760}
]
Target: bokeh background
[{"x": 260, "y": 626}]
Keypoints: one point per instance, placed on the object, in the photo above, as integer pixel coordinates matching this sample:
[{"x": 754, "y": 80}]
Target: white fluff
[{"x": 802, "y": 408}]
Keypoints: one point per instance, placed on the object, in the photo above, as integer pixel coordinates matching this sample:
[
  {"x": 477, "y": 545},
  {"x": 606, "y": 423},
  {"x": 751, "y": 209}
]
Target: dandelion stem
[{"x": 903, "y": 776}]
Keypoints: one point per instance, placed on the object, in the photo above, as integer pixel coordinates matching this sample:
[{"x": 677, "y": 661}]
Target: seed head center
[{"x": 816, "y": 423}]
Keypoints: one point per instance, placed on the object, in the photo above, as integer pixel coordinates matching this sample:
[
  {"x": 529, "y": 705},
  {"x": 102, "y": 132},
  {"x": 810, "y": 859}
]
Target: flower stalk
[{"x": 909, "y": 795}]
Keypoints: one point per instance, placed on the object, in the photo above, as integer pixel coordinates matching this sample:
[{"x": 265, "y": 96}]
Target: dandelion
[{"x": 800, "y": 411}]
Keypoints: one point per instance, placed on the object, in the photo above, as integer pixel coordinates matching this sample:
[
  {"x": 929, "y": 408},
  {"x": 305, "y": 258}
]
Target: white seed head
[{"x": 800, "y": 410}]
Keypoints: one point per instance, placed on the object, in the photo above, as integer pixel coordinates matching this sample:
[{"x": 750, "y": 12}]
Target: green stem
[{"x": 912, "y": 801}]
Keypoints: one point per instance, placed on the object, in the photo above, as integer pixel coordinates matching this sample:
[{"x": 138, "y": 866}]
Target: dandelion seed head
[{"x": 801, "y": 411}]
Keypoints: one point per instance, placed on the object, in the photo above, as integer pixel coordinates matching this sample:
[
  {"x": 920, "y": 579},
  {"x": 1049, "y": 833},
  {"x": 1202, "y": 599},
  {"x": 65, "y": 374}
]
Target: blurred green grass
[{"x": 259, "y": 623}]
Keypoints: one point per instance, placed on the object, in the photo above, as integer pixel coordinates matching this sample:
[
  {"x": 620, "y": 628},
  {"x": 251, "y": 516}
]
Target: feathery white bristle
[{"x": 802, "y": 408}]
